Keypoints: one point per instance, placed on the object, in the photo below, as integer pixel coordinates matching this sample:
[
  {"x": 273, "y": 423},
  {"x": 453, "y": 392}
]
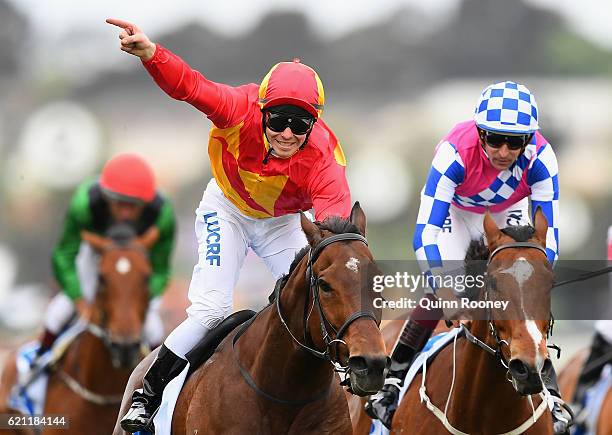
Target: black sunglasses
[
  {"x": 278, "y": 122},
  {"x": 497, "y": 140}
]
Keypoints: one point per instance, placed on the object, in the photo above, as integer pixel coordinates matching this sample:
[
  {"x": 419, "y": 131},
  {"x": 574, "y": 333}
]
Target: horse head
[
  {"x": 122, "y": 298},
  {"x": 519, "y": 272},
  {"x": 340, "y": 273}
]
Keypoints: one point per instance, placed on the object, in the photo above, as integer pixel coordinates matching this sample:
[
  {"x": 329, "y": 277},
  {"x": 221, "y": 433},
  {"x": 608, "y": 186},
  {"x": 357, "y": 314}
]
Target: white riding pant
[
  {"x": 461, "y": 227},
  {"x": 224, "y": 236},
  {"x": 61, "y": 308}
]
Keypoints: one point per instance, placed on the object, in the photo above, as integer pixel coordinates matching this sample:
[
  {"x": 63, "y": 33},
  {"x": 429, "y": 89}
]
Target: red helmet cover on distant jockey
[
  {"x": 293, "y": 83},
  {"x": 128, "y": 177}
]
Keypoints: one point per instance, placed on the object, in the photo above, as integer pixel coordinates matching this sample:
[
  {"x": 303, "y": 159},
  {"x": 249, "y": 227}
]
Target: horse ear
[
  {"x": 541, "y": 226},
  {"x": 149, "y": 238},
  {"x": 491, "y": 229},
  {"x": 313, "y": 233},
  {"x": 97, "y": 242},
  {"x": 358, "y": 218}
]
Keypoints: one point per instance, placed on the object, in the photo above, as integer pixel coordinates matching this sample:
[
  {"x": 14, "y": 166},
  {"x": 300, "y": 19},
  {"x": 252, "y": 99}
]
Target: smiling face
[{"x": 286, "y": 143}]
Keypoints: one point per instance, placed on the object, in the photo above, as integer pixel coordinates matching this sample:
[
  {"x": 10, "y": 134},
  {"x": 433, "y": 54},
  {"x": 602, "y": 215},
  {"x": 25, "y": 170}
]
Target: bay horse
[
  {"x": 489, "y": 380},
  {"x": 86, "y": 384},
  {"x": 568, "y": 380},
  {"x": 276, "y": 374}
]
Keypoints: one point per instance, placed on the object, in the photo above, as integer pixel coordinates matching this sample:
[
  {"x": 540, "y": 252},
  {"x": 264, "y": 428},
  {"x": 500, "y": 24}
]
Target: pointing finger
[{"x": 119, "y": 23}]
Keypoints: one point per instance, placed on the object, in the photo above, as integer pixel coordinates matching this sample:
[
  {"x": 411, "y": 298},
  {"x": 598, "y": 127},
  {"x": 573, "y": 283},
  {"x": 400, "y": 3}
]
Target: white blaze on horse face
[
  {"x": 123, "y": 265},
  {"x": 352, "y": 264},
  {"x": 521, "y": 271},
  {"x": 537, "y": 336}
]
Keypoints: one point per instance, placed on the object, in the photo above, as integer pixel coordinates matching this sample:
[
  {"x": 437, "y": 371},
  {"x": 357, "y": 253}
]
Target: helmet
[
  {"x": 128, "y": 177},
  {"x": 293, "y": 83},
  {"x": 507, "y": 107}
]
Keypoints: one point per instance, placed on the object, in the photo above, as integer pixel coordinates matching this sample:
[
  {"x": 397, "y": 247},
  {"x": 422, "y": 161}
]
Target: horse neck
[
  {"x": 481, "y": 379},
  {"x": 278, "y": 364}
]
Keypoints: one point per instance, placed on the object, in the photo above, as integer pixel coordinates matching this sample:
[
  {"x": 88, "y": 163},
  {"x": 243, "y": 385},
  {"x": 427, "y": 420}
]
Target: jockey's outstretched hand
[{"x": 133, "y": 40}]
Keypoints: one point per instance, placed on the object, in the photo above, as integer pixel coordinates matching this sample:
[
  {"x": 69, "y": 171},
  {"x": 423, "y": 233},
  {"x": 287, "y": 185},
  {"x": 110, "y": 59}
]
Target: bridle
[
  {"x": 496, "y": 352},
  {"x": 499, "y": 343},
  {"x": 101, "y": 331},
  {"x": 330, "y": 340},
  {"x": 313, "y": 283},
  {"x": 112, "y": 345}
]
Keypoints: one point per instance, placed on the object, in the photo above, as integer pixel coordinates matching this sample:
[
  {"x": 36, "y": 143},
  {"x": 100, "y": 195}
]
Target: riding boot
[
  {"x": 146, "y": 400},
  {"x": 599, "y": 356},
  {"x": 562, "y": 414},
  {"x": 383, "y": 404}
]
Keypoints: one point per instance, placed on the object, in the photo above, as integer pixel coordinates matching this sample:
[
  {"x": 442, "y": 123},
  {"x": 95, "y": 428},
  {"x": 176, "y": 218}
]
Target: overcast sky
[{"x": 334, "y": 17}]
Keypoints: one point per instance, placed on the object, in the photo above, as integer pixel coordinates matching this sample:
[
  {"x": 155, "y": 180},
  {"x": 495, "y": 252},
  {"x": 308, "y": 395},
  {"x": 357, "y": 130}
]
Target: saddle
[{"x": 207, "y": 346}]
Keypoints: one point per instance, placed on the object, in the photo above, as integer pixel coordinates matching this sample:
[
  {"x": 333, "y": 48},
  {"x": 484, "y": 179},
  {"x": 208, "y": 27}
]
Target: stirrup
[{"x": 132, "y": 425}]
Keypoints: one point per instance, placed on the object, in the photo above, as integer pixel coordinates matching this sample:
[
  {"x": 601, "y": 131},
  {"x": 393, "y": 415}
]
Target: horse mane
[
  {"x": 520, "y": 233},
  {"x": 478, "y": 251},
  {"x": 121, "y": 233},
  {"x": 337, "y": 225},
  {"x": 333, "y": 224}
]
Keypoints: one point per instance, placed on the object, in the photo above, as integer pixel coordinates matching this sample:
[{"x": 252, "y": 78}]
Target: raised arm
[
  {"x": 133, "y": 40},
  {"x": 224, "y": 105}
]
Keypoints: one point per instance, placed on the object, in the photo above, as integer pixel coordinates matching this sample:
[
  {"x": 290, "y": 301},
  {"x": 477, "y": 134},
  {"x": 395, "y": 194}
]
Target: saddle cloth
[
  {"x": 431, "y": 349},
  {"x": 29, "y": 392},
  {"x": 203, "y": 350}
]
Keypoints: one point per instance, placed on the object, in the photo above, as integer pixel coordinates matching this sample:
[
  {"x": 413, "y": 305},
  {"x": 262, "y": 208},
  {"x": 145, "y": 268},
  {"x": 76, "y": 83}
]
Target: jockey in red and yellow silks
[
  {"x": 237, "y": 146},
  {"x": 271, "y": 157}
]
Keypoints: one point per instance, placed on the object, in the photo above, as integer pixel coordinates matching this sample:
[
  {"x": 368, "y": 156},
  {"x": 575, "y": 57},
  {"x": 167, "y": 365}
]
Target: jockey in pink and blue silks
[{"x": 497, "y": 162}]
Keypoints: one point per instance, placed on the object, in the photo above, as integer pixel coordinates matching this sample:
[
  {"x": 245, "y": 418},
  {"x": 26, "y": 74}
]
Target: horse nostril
[
  {"x": 358, "y": 365},
  {"x": 368, "y": 365},
  {"x": 518, "y": 369}
]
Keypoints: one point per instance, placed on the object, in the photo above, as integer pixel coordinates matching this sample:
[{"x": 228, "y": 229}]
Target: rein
[
  {"x": 585, "y": 276},
  {"x": 325, "y": 355},
  {"x": 442, "y": 416},
  {"x": 496, "y": 352},
  {"x": 78, "y": 388},
  {"x": 498, "y": 341}
]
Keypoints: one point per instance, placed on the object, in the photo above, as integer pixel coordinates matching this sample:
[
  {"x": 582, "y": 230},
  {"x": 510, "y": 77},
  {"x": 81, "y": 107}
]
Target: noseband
[
  {"x": 497, "y": 351},
  {"x": 325, "y": 355},
  {"x": 313, "y": 283}
]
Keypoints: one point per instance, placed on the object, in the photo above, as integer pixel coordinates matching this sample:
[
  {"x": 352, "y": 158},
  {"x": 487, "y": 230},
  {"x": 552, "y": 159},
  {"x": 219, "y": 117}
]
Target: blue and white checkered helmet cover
[{"x": 507, "y": 107}]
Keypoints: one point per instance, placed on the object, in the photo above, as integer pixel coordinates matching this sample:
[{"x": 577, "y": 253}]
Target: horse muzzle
[
  {"x": 367, "y": 373},
  {"x": 525, "y": 378},
  {"x": 125, "y": 354}
]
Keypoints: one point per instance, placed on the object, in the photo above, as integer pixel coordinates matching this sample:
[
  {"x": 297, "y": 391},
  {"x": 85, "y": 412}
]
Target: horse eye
[{"x": 324, "y": 286}]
